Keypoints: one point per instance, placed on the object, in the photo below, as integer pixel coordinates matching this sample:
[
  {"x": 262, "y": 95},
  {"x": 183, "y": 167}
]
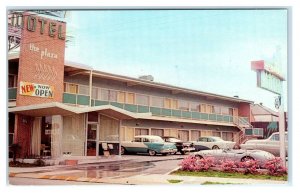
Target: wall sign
[{"x": 38, "y": 90}]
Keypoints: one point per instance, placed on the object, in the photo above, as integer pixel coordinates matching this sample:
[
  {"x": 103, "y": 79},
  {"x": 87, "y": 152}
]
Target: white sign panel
[{"x": 269, "y": 82}]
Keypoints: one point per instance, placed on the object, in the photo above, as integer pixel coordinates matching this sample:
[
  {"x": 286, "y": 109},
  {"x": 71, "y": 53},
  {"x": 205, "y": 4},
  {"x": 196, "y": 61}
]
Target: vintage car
[
  {"x": 270, "y": 144},
  {"x": 236, "y": 155},
  {"x": 148, "y": 144},
  {"x": 181, "y": 146},
  {"x": 212, "y": 142}
]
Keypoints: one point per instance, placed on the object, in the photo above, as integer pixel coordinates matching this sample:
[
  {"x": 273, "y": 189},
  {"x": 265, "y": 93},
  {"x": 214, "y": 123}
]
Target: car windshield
[{"x": 216, "y": 139}]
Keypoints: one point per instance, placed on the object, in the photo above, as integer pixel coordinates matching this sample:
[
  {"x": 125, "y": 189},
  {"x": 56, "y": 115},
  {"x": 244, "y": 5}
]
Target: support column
[{"x": 56, "y": 136}]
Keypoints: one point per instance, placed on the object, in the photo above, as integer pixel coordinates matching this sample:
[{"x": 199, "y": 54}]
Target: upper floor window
[
  {"x": 71, "y": 88},
  {"x": 225, "y": 110},
  {"x": 195, "y": 106},
  {"x": 12, "y": 81},
  {"x": 85, "y": 90},
  {"x": 142, "y": 99},
  {"x": 217, "y": 109},
  {"x": 183, "y": 105},
  {"x": 108, "y": 95},
  {"x": 157, "y": 102}
]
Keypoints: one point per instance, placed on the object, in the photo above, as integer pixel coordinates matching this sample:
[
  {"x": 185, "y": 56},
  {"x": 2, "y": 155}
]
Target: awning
[{"x": 56, "y": 108}]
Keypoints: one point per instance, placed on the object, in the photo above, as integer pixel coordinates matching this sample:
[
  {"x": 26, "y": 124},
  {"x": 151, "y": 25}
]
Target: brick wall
[{"x": 35, "y": 65}]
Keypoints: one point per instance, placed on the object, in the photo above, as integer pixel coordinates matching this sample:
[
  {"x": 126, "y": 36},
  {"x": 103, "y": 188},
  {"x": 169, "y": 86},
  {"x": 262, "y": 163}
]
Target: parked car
[
  {"x": 181, "y": 146},
  {"x": 270, "y": 144},
  {"x": 236, "y": 155},
  {"x": 212, "y": 142},
  {"x": 148, "y": 144}
]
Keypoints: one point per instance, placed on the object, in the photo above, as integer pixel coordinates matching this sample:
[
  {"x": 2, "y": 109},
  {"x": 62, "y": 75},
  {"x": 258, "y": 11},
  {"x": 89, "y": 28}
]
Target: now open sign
[{"x": 38, "y": 90}]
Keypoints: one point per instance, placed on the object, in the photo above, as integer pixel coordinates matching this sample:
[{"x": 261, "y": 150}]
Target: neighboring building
[
  {"x": 58, "y": 108},
  {"x": 266, "y": 118}
]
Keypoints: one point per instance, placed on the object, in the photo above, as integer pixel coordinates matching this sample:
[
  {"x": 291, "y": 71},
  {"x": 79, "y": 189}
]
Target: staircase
[{"x": 247, "y": 131}]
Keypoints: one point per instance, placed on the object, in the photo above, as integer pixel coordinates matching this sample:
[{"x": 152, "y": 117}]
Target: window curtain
[{"x": 36, "y": 136}]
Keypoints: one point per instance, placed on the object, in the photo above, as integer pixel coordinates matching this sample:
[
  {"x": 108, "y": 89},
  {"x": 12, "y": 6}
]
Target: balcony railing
[{"x": 156, "y": 111}]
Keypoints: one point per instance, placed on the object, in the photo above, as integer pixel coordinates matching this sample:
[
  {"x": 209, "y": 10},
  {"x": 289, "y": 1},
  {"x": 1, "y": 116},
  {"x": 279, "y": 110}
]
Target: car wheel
[
  {"x": 215, "y": 147},
  {"x": 182, "y": 152},
  {"x": 246, "y": 158},
  {"x": 152, "y": 152},
  {"x": 123, "y": 150}
]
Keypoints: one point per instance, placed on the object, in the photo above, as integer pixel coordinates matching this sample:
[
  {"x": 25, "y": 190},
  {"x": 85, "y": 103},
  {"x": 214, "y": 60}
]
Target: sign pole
[{"x": 282, "y": 132}]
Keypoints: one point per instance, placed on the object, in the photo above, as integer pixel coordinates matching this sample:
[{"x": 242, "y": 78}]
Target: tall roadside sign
[{"x": 269, "y": 78}]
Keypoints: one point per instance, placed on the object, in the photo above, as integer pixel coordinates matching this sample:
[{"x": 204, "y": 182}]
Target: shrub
[
  {"x": 275, "y": 167},
  {"x": 39, "y": 162},
  {"x": 228, "y": 166},
  {"x": 250, "y": 166},
  {"x": 191, "y": 163}
]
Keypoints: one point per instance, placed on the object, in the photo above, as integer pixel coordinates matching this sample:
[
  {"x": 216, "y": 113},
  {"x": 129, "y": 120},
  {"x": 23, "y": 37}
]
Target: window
[
  {"x": 142, "y": 100},
  {"x": 85, "y": 90},
  {"x": 225, "y": 110},
  {"x": 183, "y": 135},
  {"x": 12, "y": 81},
  {"x": 195, "y": 135},
  {"x": 275, "y": 137},
  {"x": 104, "y": 94},
  {"x": 121, "y": 97},
  {"x": 157, "y": 102},
  {"x": 208, "y": 109},
  {"x": 227, "y": 136},
  {"x": 174, "y": 104},
  {"x": 113, "y": 96},
  {"x": 139, "y": 131},
  {"x": 168, "y": 103},
  {"x": 137, "y": 139},
  {"x": 71, "y": 88},
  {"x": 203, "y": 108},
  {"x": 195, "y": 106},
  {"x": 217, "y": 109},
  {"x": 159, "y": 132},
  {"x": 216, "y": 133},
  {"x": 183, "y": 105},
  {"x": 230, "y": 111},
  {"x": 95, "y": 93},
  {"x": 130, "y": 98},
  {"x": 203, "y": 139}
]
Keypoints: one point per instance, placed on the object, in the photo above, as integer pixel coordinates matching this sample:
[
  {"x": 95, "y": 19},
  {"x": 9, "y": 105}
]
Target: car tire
[
  {"x": 182, "y": 152},
  {"x": 152, "y": 152},
  {"x": 123, "y": 150},
  {"x": 215, "y": 147},
  {"x": 246, "y": 158}
]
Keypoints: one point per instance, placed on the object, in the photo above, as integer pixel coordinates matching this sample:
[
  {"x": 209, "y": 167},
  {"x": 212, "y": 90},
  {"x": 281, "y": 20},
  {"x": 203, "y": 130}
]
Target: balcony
[{"x": 156, "y": 111}]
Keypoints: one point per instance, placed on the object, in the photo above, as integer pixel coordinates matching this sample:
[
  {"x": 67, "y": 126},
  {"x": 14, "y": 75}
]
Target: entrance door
[{"x": 92, "y": 139}]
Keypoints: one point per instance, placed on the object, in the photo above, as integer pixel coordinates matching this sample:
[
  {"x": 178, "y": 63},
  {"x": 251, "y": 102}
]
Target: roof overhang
[{"x": 56, "y": 108}]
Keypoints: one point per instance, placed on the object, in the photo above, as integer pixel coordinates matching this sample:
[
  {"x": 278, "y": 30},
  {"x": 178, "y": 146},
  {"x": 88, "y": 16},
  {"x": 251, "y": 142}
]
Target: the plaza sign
[{"x": 38, "y": 90}]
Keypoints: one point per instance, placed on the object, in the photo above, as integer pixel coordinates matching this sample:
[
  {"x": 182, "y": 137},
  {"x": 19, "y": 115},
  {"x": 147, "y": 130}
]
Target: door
[{"x": 92, "y": 141}]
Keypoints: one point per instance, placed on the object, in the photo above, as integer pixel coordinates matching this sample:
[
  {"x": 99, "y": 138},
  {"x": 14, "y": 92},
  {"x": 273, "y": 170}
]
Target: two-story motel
[{"x": 66, "y": 108}]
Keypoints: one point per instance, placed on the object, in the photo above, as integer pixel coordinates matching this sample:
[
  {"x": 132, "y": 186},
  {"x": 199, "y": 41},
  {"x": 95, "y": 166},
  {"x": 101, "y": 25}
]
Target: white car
[
  {"x": 270, "y": 144},
  {"x": 212, "y": 142}
]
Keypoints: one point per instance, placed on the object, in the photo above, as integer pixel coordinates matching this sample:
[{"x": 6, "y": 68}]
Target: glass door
[{"x": 92, "y": 140}]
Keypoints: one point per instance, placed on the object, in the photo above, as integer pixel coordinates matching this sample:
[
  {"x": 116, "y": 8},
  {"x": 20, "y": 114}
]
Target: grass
[
  {"x": 215, "y": 183},
  {"x": 212, "y": 173},
  {"x": 174, "y": 181}
]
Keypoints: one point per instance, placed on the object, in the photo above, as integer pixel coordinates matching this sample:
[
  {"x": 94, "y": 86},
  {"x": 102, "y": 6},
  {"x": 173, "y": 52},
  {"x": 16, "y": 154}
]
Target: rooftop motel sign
[
  {"x": 268, "y": 76},
  {"x": 17, "y": 20}
]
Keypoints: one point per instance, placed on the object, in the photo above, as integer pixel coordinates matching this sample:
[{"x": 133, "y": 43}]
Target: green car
[{"x": 148, "y": 144}]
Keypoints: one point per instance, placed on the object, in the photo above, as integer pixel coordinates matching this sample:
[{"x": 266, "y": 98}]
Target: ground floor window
[
  {"x": 195, "y": 135},
  {"x": 183, "y": 135},
  {"x": 227, "y": 136},
  {"x": 159, "y": 132},
  {"x": 216, "y": 133},
  {"x": 140, "y": 131}
]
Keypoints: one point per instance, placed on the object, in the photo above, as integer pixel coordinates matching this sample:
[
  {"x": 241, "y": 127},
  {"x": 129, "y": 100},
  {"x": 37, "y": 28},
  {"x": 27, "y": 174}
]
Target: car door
[
  {"x": 272, "y": 145},
  {"x": 137, "y": 145}
]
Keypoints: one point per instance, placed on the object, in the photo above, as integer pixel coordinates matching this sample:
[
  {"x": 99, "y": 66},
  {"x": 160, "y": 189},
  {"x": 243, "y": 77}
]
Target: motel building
[{"x": 58, "y": 108}]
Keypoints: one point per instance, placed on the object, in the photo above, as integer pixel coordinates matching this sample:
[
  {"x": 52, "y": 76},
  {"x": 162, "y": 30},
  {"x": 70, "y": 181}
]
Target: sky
[{"x": 205, "y": 50}]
